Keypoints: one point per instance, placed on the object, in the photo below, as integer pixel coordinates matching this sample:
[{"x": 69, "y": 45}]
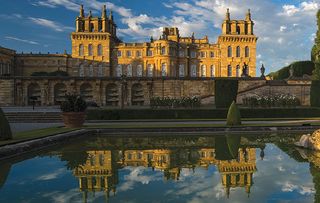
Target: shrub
[
  {"x": 5, "y": 130},
  {"x": 315, "y": 93},
  {"x": 167, "y": 102},
  {"x": 73, "y": 103},
  {"x": 226, "y": 91},
  {"x": 281, "y": 100},
  {"x": 233, "y": 117}
]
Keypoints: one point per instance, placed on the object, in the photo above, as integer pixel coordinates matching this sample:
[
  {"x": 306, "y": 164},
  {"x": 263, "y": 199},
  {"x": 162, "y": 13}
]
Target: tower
[
  {"x": 237, "y": 46},
  {"x": 94, "y": 39}
]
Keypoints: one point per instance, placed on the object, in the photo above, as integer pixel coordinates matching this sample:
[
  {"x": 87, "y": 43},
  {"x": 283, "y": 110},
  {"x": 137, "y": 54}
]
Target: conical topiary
[
  {"x": 5, "y": 130},
  {"x": 233, "y": 117}
]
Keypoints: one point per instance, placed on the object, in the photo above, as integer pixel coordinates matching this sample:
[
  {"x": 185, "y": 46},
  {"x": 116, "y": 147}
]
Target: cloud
[
  {"x": 52, "y": 175},
  {"x": 21, "y": 40},
  {"x": 50, "y": 24}
]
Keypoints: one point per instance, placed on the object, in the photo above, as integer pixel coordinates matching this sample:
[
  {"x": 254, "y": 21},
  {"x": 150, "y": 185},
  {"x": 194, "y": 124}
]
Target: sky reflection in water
[{"x": 165, "y": 169}]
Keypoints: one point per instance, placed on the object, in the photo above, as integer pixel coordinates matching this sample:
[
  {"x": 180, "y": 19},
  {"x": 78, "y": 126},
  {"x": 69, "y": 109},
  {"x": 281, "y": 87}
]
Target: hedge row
[
  {"x": 226, "y": 91},
  {"x": 315, "y": 93},
  {"x": 299, "y": 69},
  {"x": 124, "y": 114}
]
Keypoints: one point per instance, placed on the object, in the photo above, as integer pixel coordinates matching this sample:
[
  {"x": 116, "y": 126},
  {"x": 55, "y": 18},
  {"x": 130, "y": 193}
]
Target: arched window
[
  {"x": 238, "y": 30},
  {"x": 229, "y": 51},
  {"x": 100, "y": 50},
  {"x": 81, "y": 70},
  {"x": 90, "y": 51},
  {"x": 238, "y": 71},
  {"x": 150, "y": 70},
  {"x": 181, "y": 70},
  {"x": 163, "y": 50},
  {"x": 90, "y": 70},
  {"x": 163, "y": 69},
  {"x": 81, "y": 50},
  {"x": 203, "y": 70},
  {"x": 229, "y": 71},
  {"x": 247, "y": 51},
  {"x": 119, "y": 70},
  {"x": 238, "y": 51},
  {"x": 193, "y": 70},
  {"x": 139, "y": 70},
  {"x": 212, "y": 70},
  {"x": 129, "y": 70}
]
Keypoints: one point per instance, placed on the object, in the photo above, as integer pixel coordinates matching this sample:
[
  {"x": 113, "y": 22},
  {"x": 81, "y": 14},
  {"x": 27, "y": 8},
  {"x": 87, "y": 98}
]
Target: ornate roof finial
[
  {"x": 111, "y": 15},
  {"x": 151, "y": 39},
  {"x": 90, "y": 14},
  {"x": 248, "y": 15},
  {"x": 227, "y": 14},
  {"x": 104, "y": 12},
  {"x": 81, "y": 11}
]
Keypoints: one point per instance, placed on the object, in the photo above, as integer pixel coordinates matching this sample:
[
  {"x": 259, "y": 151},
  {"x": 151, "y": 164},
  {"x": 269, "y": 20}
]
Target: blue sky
[{"x": 285, "y": 28}]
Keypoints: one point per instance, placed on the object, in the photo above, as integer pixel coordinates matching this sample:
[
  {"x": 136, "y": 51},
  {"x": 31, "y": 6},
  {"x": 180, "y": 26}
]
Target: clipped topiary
[
  {"x": 5, "y": 130},
  {"x": 233, "y": 117}
]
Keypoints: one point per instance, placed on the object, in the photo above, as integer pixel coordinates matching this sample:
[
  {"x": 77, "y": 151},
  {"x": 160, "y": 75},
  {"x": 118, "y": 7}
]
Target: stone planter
[{"x": 73, "y": 119}]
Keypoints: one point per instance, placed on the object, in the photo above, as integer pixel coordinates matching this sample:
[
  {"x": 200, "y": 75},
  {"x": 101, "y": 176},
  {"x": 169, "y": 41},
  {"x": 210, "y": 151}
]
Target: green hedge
[
  {"x": 128, "y": 114},
  {"x": 55, "y": 73},
  {"x": 315, "y": 93},
  {"x": 300, "y": 68},
  {"x": 5, "y": 130},
  {"x": 225, "y": 92}
]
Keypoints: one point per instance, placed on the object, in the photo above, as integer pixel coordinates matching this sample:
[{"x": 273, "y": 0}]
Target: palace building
[{"x": 105, "y": 70}]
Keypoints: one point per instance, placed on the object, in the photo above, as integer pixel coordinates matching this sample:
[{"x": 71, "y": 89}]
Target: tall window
[
  {"x": 212, "y": 54},
  {"x": 81, "y": 70},
  {"x": 81, "y": 50},
  {"x": 181, "y": 70},
  {"x": 138, "y": 54},
  {"x": 163, "y": 69},
  {"x": 212, "y": 70},
  {"x": 229, "y": 51},
  {"x": 203, "y": 70},
  {"x": 247, "y": 52},
  {"x": 163, "y": 50},
  {"x": 238, "y": 71},
  {"x": 193, "y": 70},
  {"x": 139, "y": 70},
  {"x": 128, "y": 53},
  {"x": 202, "y": 54},
  {"x": 90, "y": 70},
  {"x": 181, "y": 53},
  {"x": 129, "y": 70},
  {"x": 100, "y": 50},
  {"x": 238, "y": 51},
  {"x": 193, "y": 54},
  {"x": 229, "y": 71},
  {"x": 149, "y": 52},
  {"x": 119, "y": 53},
  {"x": 119, "y": 70},
  {"x": 150, "y": 70},
  {"x": 90, "y": 51}
]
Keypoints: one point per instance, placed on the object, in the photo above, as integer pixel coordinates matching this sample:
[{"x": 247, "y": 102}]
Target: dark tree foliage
[
  {"x": 226, "y": 91},
  {"x": 233, "y": 117},
  {"x": 73, "y": 103},
  {"x": 5, "y": 130},
  {"x": 315, "y": 93},
  {"x": 300, "y": 68}
]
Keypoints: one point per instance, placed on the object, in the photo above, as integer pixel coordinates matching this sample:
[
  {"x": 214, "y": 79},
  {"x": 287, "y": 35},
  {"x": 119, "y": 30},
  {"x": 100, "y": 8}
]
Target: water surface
[{"x": 226, "y": 168}]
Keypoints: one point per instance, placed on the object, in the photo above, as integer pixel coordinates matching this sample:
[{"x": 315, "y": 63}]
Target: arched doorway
[
  {"x": 34, "y": 94},
  {"x": 60, "y": 91},
  {"x": 137, "y": 95},
  {"x": 112, "y": 95},
  {"x": 86, "y": 92}
]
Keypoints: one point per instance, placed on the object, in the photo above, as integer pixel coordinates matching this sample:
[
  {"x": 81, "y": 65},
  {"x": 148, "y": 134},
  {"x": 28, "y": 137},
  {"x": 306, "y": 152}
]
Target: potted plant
[{"x": 73, "y": 111}]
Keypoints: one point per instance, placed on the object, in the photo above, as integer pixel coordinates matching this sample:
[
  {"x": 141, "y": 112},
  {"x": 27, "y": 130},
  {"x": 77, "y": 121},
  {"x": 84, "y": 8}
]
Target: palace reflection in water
[{"x": 236, "y": 164}]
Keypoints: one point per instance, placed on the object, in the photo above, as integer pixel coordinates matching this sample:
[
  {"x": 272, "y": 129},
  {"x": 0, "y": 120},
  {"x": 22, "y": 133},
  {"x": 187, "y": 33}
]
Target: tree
[{"x": 316, "y": 47}]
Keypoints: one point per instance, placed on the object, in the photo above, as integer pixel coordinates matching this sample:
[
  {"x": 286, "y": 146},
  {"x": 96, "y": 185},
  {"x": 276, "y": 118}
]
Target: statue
[
  {"x": 244, "y": 70},
  {"x": 262, "y": 70}
]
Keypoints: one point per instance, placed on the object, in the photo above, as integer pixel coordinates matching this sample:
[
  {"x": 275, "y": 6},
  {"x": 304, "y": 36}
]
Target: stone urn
[
  {"x": 73, "y": 119},
  {"x": 310, "y": 141}
]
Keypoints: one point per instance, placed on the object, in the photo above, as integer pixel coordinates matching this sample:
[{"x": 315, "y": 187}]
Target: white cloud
[
  {"x": 282, "y": 28},
  {"x": 52, "y": 175},
  {"x": 21, "y": 40},
  {"x": 50, "y": 24}
]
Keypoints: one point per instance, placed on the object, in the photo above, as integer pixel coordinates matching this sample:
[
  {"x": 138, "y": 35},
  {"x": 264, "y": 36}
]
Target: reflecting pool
[{"x": 171, "y": 168}]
